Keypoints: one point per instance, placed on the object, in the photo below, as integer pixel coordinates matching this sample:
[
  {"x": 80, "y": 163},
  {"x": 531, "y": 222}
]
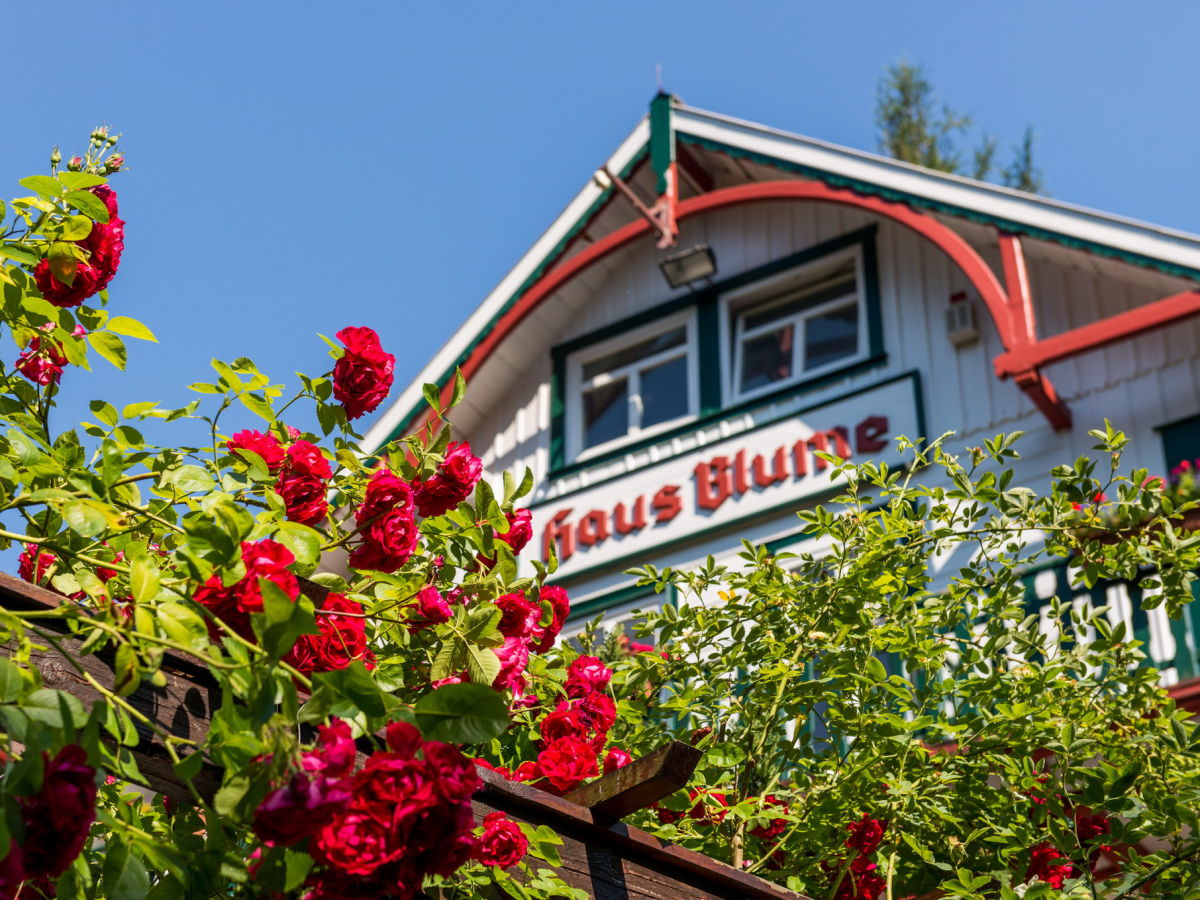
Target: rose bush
[{"x": 204, "y": 552}]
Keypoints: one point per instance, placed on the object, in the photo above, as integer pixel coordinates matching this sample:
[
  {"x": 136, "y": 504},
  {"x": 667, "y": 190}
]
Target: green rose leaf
[
  {"x": 283, "y": 620},
  {"x": 86, "y": 517},
  {"x": 144, "y": 579},
  {"x": 130, "y": 328},
  {"x": 462, "y": 714},
  {"x": 124, "y": 875},
  {"x": 352, "y": 685},
  {"x": 12, "y": 684},
  {"x": 44, "y": 186},
  {"x": 88, "y": 204},
  {"x": 304, "y": 542},
  {"x": 110, "y": 346}
]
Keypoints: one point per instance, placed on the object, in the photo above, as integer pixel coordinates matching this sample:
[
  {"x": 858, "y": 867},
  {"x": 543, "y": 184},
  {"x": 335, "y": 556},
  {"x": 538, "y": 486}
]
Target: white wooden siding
[{"x": 1138, "y": 384}]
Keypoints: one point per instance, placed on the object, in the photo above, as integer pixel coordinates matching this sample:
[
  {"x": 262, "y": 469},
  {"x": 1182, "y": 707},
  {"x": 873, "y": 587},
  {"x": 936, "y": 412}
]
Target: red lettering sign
[{"x": 716, "y": 481}]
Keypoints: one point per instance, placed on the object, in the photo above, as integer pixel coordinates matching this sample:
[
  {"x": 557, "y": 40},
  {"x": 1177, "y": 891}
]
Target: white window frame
[
  {"x": 575, "y": 384},
  {"x": 735, "y": 303}
]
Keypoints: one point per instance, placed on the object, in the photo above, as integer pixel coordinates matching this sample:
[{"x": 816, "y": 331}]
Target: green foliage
[
  {"x": 133, "y": 532},
  {"x": 896, "y": 674}
]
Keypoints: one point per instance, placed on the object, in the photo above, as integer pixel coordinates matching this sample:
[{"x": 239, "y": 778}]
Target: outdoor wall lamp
[{"x": 689, "y": 265}]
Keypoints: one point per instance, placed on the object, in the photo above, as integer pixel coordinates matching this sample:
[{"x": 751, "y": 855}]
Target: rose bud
[{"x": 75, "y": 163}]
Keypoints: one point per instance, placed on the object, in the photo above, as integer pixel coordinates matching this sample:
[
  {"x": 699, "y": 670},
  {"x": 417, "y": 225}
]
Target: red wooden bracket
[
  {"x": 1025, "y": 355},
  {"x": 1018, "y": 332}
]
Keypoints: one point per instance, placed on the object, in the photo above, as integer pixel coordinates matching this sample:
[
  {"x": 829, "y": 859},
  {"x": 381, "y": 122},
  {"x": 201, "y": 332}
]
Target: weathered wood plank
[{"x": 639, "y": 784}]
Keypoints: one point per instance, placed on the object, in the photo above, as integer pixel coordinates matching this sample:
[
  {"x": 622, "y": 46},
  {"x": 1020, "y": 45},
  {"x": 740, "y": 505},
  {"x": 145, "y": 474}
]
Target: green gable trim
[
  {"x": 662, "y": 139},
  {"x": 918, "y": 202},
  {"x": 535, "y": 276}
]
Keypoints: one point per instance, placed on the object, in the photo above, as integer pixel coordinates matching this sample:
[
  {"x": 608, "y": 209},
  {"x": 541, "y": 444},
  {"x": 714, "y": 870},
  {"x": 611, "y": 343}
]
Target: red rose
[
  {"x": 520, "y": 529},
  {"x": 266, "y": 559},
  {"x": 304, "y": 498},
  {"x": 386, "y": 523},
  {"x": 587, "y": 674},
  {"x": 403, "y": 739},
  {"x": 503, "y": 843},
  {"x": 305, "y": 458},
  {"x": 519, "y": 615},
  {"x": 302, "y": 483},
  {"x": 106, "y": 242},
  {"x": 560, "y": 604},
  {"x": 355, "y": 843},
  {"x": 598, "y": 712},
  {"x": 334, "y": 753},
  {"x": 431, "y": 608},
  {"x": 43, "y": 359},
  {"x": 514, "y": 657},
  {"x": 774, "y": 827},
  {"x": 865, "y": 834},
  {"x": 451, "y": 483},
  {"x": 263, "y": 559},
  {"x": 25, "y": 563},
  {"x": 362, "y": 377},
  {"x": 342, "y": 640},
  {"x": 86, "y": 283},
  {"x": 1048, "y": 865},
  {"x": 266, "y": 446},
  {"x": 58, "y": 817},
  {"x": 299, "y": 809},
  {"x": 616, "y": 758},
  {"x": 566, "y": 762},
  {"x": 565, "y": 721}
]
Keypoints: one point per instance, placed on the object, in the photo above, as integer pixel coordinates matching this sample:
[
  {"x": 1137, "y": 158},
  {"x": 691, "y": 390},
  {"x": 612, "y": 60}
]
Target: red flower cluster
[
  {"x": 379, "y": 831},
  {"x": 342, "y": 640},
  {"x": 104, "y": 245},
  {"x": 302, "y": 469},
  {"x": 775, "y": 827},
  {"x": 265, "y": 559},
  {"x": 303, "y": 483},
  {"x": 575, "y": 732},
  {"x": 860, "y": 882},
  {"x": 57, "y": 820},
  {"x": 386, "y": 523},
  {"x": 451, "y": 483},
  {"x": 1048, "y": 865},
  {"x": 502, "y": 843},
  {"x": 43, "y": 359},
  {"x": 362, "y": 376},
  {"x": 33, "y": 565},
  {"x": 520, "y": 530}
]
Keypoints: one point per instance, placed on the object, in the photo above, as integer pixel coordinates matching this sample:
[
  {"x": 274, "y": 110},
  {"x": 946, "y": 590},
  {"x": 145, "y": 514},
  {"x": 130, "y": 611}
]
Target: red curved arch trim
[{"x": 959, "y": 251}]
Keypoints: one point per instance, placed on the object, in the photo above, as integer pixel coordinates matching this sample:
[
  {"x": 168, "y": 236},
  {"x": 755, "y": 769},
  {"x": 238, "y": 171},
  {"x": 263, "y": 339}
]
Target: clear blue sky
[{"x": 297, "y": 167}]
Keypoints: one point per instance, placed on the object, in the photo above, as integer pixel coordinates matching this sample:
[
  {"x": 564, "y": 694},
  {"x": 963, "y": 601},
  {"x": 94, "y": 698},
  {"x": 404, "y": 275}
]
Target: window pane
[
  {"x": 830, "y": 336},
  {"x": 605, "y": 413},
  {"x": 664, "y": 391},
  {"x": 766, "y": 358},
  {"x": 627, "y": 355},
  {"x": 837, "y": 285}
]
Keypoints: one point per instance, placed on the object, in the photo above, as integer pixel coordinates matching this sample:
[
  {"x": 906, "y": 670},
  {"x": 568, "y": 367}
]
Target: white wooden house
[{"x": 855, "y": 298}]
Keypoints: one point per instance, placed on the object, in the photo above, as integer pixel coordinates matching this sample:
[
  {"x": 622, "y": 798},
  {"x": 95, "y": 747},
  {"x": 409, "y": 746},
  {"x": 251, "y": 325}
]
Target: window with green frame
[
  {"x": 1181, "y": 441},
  {"x": 603, "y": 401}
]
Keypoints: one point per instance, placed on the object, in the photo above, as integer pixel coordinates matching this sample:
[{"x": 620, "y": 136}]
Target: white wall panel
[{"x": 1138, "y": 384}]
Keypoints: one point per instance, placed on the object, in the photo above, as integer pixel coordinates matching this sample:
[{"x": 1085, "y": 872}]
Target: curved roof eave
[{"x": 1138, "y": 242}]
